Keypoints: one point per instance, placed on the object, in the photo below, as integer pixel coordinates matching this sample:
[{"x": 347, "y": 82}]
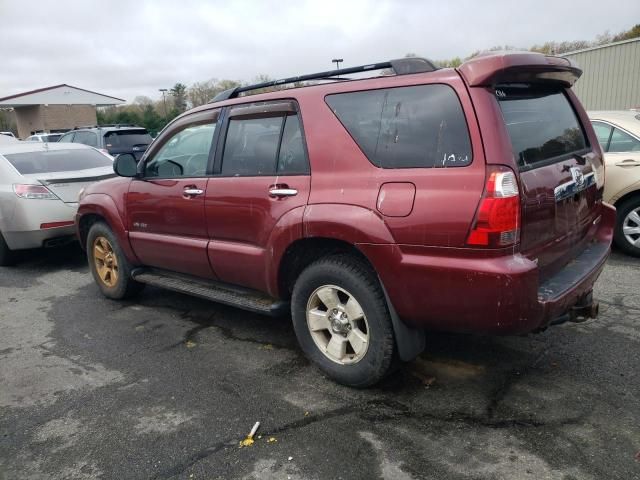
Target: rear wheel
[
  {"x": 110, "y": 268},
  {"x": 627, "y": 232},
  {"x": 342, "y": 322},
  {"x": 7, "y": 256}
]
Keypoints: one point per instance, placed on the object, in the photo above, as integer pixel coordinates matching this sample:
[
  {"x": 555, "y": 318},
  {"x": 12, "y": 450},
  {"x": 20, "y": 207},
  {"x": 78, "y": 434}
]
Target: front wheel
[
  {"x": 110, "y": 268},
  {"x": 342, "y": 322},
  {"x": 627, "y": 232}
]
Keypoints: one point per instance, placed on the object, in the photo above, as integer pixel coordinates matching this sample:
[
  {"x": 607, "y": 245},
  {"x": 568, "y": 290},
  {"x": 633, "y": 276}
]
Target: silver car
[{"x": 39, "y": 186}]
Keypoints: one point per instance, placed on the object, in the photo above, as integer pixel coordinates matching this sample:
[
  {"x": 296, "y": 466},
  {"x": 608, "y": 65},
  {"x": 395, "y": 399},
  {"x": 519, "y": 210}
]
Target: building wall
[
  {"x": 611, "y": 76},
  {"x": 37, "y": 118},
  {"x": 28, "y": 119},
  {"x": 66, "y": 117}
]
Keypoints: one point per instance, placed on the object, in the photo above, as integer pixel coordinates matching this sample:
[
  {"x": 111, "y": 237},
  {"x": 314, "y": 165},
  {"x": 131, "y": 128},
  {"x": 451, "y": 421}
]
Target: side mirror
[{"x": 125, "y": 165}]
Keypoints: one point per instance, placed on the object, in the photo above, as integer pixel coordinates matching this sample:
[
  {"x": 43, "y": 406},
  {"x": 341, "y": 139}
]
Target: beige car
[{"x": 619, "y": 135}]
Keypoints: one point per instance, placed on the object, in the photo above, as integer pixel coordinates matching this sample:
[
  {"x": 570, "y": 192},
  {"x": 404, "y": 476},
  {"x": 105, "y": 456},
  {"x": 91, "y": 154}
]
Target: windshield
[
  {"x": 127, "y": 138},
  {"x": 52, "y": 137},
  {"x": 47, "y": 161},
  {"x": 541, "y": 123}
]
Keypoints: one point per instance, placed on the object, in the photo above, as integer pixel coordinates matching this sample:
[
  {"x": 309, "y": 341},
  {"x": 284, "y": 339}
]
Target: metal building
[
  {"x": 55, "y": 109},
  {"x": 611, "y": 75}
]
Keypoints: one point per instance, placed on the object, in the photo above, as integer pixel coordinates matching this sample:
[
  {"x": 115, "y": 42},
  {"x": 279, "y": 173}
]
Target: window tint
[
  {"x": 541, "y": 123},
  {"x": 623, "y": 142},
  {"x": 87, "y": 138},
  {"x": 52, "y": 137},
  {"x": 46, "y": 161},
  {"x": 406, "y": 127},
  {"x": 292, "y": 158},
  {"x": 126, "y": 138},
  {"x": 67, "y": 137},
  {"x": 603, "y": 131},
  {"x": 251, "y": 146},
  {"x": 185, "y": 154}
]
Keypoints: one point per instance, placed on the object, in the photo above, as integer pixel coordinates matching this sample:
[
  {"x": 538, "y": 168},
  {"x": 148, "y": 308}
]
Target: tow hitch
[{"x": 585, "y": 309}]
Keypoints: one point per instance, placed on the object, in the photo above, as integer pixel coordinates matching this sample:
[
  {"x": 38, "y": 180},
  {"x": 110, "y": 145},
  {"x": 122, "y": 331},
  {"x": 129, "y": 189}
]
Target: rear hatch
[
  {"x": 134, "y": 141},
  {"x": 558, "y": 172},
  {"x": 63, "y": 172}
]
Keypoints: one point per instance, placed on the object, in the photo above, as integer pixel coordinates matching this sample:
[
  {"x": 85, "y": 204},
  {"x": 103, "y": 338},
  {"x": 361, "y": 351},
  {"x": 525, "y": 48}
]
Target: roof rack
[{"x": 402, "y": 66}]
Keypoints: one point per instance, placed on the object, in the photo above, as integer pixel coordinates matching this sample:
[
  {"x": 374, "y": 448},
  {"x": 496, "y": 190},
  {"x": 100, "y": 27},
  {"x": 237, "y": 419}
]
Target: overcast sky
[{"x": 130, "y": 48}]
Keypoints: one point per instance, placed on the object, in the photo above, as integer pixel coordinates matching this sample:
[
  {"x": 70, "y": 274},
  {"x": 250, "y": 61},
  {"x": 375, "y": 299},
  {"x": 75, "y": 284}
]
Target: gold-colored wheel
[{"x": 105, "y": 261}]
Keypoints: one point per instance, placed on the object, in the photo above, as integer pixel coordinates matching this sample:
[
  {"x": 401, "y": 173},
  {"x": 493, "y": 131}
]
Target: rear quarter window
[
  {"x": 406, "y": 127},
  {"x": 541, "y": 123}
]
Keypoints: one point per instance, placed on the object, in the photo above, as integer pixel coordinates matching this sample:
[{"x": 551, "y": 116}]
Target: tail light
[
  {"x": 33, "y": 192},
  {"x": 497, "y": 222}
]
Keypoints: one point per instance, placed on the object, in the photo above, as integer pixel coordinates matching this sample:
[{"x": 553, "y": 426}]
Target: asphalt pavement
[{"x": 166, "y": 386}]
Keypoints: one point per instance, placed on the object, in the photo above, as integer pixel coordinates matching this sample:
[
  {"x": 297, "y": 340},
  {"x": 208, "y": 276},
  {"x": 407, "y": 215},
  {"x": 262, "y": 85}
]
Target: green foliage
[{"x": 550, "y": 48}]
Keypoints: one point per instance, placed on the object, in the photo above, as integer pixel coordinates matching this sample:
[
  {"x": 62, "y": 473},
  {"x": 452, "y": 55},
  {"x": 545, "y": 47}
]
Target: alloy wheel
[
  {"x": 337, "y": 324},
  {"x": 105, "y": 261},
  {"x": 631, "y": 227}
]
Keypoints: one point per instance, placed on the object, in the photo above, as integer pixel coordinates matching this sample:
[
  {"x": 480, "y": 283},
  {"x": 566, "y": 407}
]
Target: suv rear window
[
  {"x": 541, "y": 123},
  {"x": 57, "y": 161},
  {"x": 127, "y": 138},
  {"x": 406, "y": 127}
]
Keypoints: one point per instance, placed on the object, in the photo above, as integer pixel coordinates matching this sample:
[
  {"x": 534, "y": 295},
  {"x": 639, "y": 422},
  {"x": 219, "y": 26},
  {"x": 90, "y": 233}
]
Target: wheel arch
[
  {"x": 101, "y": 207},
  {"x": 303, "y": 252}
]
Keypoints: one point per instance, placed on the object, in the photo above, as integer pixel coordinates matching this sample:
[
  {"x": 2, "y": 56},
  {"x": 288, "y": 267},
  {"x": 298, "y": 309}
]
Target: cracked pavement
[{"x": 166, "y": 386}]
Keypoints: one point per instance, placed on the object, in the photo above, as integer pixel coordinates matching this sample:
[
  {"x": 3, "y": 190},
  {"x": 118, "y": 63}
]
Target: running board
[{"x": 233, "y": 295}]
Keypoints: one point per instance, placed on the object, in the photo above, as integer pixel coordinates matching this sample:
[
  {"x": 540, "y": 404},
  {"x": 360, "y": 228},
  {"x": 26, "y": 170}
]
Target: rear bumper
[
  {"x": 22, "y": 229},
  {"x": 49, "y": 237},
  {"x": 453, "y": 290}
]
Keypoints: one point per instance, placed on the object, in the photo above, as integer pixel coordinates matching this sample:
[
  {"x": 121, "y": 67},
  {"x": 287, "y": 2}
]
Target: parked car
[
  {"x": 619, "y": 135},
  {"x": 8, "y": 134},
  {"x": 43, "y": 137},
  {"x": 112, "y": 139},
  {"x": 463, "y": 200},
  {"x": 39, "y": 185}
]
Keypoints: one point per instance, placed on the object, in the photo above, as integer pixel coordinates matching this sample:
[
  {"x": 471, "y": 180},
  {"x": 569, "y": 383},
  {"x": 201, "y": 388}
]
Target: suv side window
[
  {"x": 67, "y": 137},
  {"x": 251, "y": 146},
  {"x": 623, "y": 142},
  {"x": 185, "y": 154},
  {"x": 406, "y": 127},
  {"x": 292, "y": 158},
  {"x": 87, "y": 138}
]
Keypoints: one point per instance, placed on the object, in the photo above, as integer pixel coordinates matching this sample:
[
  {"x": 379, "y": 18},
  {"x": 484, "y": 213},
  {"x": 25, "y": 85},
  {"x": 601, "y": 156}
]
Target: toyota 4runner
[{"x": 372, "y": 210}]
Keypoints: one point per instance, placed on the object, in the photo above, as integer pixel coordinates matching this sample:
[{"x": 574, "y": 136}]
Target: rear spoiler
[{"x": 519, "y": 67}]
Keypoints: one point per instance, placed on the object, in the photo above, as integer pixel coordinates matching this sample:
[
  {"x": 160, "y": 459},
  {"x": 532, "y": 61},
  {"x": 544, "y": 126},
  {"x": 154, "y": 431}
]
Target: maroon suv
[{"x": 463, "y": 200}]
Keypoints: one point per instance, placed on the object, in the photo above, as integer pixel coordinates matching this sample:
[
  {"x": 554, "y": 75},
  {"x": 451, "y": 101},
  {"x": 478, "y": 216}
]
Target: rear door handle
[
  {"x": 192, "y": 192},
  {"x": 628, "y": 163},
  {"x": 283, "y": 192}
]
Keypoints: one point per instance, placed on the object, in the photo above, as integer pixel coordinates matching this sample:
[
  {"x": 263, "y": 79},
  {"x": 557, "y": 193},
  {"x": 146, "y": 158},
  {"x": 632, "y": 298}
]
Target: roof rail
[{"x": 402, "y": 66}]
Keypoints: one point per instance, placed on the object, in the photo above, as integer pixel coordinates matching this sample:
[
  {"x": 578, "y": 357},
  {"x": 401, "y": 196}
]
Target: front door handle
[
  {"x": 192, "y": 192},
  {"x": 283, "y": 192}
]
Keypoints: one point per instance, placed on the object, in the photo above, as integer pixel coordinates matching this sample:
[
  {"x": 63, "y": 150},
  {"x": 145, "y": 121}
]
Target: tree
[{"x": 179, "y": 95}]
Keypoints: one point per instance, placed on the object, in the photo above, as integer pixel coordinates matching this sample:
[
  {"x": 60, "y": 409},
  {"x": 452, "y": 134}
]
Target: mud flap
[{"x": 411, "y": 342}]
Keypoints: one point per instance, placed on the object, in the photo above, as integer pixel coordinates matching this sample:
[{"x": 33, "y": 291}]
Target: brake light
[
  {"x": 33, "y": 192},
  {"x": 497, "y": 222}
]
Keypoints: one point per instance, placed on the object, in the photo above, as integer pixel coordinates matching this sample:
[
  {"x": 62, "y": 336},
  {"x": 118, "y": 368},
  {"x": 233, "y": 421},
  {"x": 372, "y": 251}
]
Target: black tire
[
  {"x": 354, "y": 276},
  {"x": 623, "y": 209},
  {"x": 124, "y": 286},
  {"x": 7, "y": 256}
]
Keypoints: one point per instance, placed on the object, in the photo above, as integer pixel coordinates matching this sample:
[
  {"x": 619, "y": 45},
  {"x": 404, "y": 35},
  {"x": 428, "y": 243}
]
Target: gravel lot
[{"x": 166, "y": 386}]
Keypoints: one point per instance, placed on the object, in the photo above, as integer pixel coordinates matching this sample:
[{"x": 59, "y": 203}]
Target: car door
[
  {"x": 165, "y": 207},
  {"x": 622, "y": 160},
  {"x": 261, "y": 175}
]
